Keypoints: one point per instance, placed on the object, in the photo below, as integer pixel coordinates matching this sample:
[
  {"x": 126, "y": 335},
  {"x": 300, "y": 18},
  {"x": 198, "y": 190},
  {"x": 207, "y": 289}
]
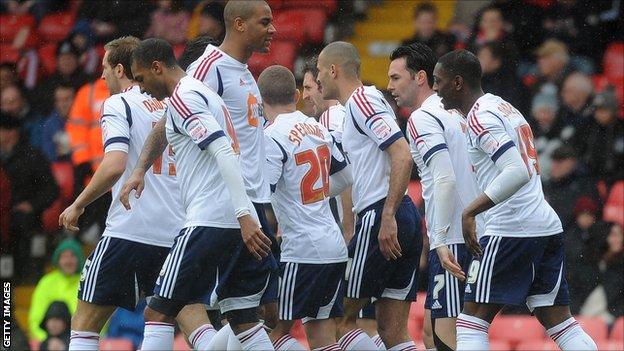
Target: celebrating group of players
[{"x": 191, "y": 229}]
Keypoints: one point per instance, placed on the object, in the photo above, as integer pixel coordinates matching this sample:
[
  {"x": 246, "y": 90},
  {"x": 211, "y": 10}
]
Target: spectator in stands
[
  {"x": 55, "y": 141},
  {"x": 576, "y": 99},
  {"x": 56, "y": 324},
  {"x": 207, "y": 19},
  {"x": 14, "y": 103},
  {"x": 8, "y": 75},
  {"x": 170, "y": 21},
  {"x": 33, "y": 189},
  {"x": 499, "y": 77},
  {"x": 553, "y": 63},
  {"x": 61, "y": 284},
  {"x": 109, "y": 22},
  {"x": 549, "y": 130},
  {"x": 491, "y": 27},
  {"x": 68, "y": 72},
  {"x": 525, "y": 19},
  {"x": 583, "y": 251},
  {"x": 600, "y": 141},
  {"x": 567, "y": 183},
  {"x": 426, "y": 30},
  {"x": 612, "y": 271},
  {"x": 128, "y": 324}
]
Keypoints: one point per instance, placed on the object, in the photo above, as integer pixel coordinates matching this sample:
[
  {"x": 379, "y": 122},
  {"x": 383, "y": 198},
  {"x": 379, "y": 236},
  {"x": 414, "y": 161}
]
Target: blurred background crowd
[{"x": 560, "y": 62}]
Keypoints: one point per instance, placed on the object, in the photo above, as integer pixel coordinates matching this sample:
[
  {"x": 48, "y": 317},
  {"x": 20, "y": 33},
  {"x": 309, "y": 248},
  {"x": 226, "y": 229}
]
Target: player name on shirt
[{"x": 300, "y": 130}]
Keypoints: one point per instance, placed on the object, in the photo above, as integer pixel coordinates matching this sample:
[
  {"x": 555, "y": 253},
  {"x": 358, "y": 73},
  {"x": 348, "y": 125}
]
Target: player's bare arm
[
  {"x": 107, "y": 174},
  {"x": 400, "y": 169},
  {"x": 154, "y": 146}
]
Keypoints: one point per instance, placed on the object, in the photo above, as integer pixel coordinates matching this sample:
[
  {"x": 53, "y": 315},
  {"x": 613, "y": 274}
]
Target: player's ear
[
  {"x": 458, "y": 83},
  {"x": 332, "y": 70},
  {"x": 297, "y": 95},
  {"x": 119, "y": 71},
  {"x": 157, "y": 67},
  {"x": 239, "y": 24}
]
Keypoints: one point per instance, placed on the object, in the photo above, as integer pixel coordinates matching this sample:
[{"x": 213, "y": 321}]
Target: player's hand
[
  {"x": 69, "y": 218},
  {"x": 388, "y": 241},
  {"x": 469, "y": 229},
  {"x": 135, "y": 182},
  {"x": 449, "y": 262},
  {"x": 257, "y": 243}
]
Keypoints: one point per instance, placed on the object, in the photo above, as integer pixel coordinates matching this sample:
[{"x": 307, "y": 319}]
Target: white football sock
[
  {"x": 356, "y": 339},
  {"x": 158, "y": 336},
  {"x": 200, "y": 338},
  {"x": 288, "y": 343},
  {"x": 472, "y": 333},
  {"x": 330, "y": 347},
  {"x": 220, "y": 340},
  {"x": 407, "y": 346},
  {"x": 379, "y": 342},
  {"x": 81, "y": 340},
  {"x": 570, "y": 336},
  {"x": 255, "y": 338}
]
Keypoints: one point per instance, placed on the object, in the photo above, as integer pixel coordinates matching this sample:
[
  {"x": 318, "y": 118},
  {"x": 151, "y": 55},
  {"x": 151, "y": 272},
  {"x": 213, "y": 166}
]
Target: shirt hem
[
  {"x": 212, "y": 224},
  {"x": 525, "y": 235},
  {"x": 320, "y": 261},
  {"x": 146, "y": 242}
]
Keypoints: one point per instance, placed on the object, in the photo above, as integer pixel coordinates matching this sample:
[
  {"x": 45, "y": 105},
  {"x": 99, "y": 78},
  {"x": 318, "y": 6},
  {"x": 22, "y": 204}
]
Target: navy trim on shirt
[
  {"x": 501, "y": 150},
  {"x": 355, "y": 123},
  {"x": 212, "y": 137},
  {"x": 432, "y": 151},
  {"x": 284, "y": 154},
  {"x": 128, "y": 111},
  {"x": 175, "y": 127},
  {"x": 114, "y": 140},
  {"x": 389, "y": 141},
  {"x": 202, "y": 96},
  {"x": 436, "y": 118},
  {"x": 220, "y": 83}
]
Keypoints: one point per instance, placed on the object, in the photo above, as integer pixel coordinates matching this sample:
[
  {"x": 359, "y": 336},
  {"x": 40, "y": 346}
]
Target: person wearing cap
[
  {"x": 61, "y": 284},
  {"x": 553, "y": 62},
  {"x": 68, "y": 72},
  {"x": 600, "y": 141},
  {"x": 567, "y": 182},
  {"x": 33, "y": 189},
  {"x": 56, "y": 323}
]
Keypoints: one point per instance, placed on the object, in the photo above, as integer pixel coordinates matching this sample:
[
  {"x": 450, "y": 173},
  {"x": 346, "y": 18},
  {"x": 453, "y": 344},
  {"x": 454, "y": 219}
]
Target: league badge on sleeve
[
  {"x": 196, "y": 130},
  {"x": 380, "y": 128}
]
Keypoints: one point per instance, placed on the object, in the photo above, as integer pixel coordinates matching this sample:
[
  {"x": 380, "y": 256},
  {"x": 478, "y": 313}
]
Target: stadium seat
[
  {"x": 309, "y": 22},
  {"x": 516, "y": 329},
  {"x": 537, "y": 345},
  {"x": 281, "y": 53},
  {"x": 594, "y": 326},
  {"x": 56, "y": 27},
  {"x": 288, "y": 28},
  {"x": 614, "y": 208},
  {"x": 414, "y": 190},
  {"x": 180, "y": 344},
  {"x": 178, "y": 49},
  {"x": 617, "y": 331},
  {"x": 613, "y": 61},
  {"x": 47, "y": 57},
  {"x": 499, "y": 345},
  {"x": 416, "y": 315},
  {"x": 64, "y": 175},
  {"x": 113, "y": 344},
  {"x": 50, "y": 216},
  {"x": 8, "y": 53},
  {"x": 12, "y": 24}
]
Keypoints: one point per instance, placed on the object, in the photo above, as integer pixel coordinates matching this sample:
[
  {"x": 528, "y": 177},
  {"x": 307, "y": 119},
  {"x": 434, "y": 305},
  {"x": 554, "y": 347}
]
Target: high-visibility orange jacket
[{"x": 83, "y": 125}]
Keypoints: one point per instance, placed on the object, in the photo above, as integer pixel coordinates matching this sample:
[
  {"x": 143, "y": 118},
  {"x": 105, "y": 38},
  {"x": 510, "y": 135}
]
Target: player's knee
[
  {"x": 240, "y": 317},
  {"x": 160, "y": 309},
  {"x": 270, "y": 315}
]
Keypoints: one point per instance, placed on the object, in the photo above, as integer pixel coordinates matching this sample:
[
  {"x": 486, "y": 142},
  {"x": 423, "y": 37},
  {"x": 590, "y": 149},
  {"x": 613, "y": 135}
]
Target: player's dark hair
[
  {"x": 425, "y": 7},
  {"x": 418, "y": 57},
  {"x": 120, "y": 52},
  {"x": 154, "y": 49},
  {"x": 310, "y": 66},
  {"x": 277, "y": 86},
  {"x": 465, "y": 64},
  {"x": 194, "y": 49}
]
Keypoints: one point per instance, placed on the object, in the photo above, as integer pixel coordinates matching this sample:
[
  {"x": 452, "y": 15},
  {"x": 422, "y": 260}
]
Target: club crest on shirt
[{"x": 380, "y": 128}]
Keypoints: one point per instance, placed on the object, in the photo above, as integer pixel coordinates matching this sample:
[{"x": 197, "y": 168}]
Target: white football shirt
[
  {"x": 157, "y": 217},
  {"x": 494, "y": 127},
  {"x": 233, "y": 82},
  {"x": 369, "y": 128},
  {"x": 196, "y": 117},
  {"x": 431, "y": 129},
  {"x": 301, "y": 155},
  {"x": 333, "y": 120}
]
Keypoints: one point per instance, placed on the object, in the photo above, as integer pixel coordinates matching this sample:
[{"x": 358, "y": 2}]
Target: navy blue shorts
[
  {"x": 119, "y": 272},
  {"x": 515, "y": 271},
  {"x": 270, "y": 294},
  {"x": 201, "y": 256},
  {"x": 310, "y": 291},
  {"x": 369, "y": 274},
  {"x": 368, "y": 312},
  {"x": 445, "y": 294}
]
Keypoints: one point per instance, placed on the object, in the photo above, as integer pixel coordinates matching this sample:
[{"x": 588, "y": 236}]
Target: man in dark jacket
[{"x": 33, "y": 189}]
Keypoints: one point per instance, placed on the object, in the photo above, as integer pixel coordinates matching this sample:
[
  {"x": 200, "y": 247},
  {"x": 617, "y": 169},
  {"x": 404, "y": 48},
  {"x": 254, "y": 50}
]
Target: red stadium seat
[
  {"x": 288, "y": 28},
  {"x": 414, "y": 190},
  {"x": 281, "y": 53},
  {"x": 47, "y": 57},
  {"x": 613, "y": 61},
  {"x": 516, "y": 329},
  {"x": 8, "y": 53},
  {"x": 55, "y": 27},
  {"x": 50, "y": 217},
  {"x": 64, "y": 175},
  {"x": 614, "y": 208},
  {"x": 178, "y": 49},
  {"x": 328, "y": 6},
  {"x": 537, "y": 345},
  {"x": 499, "y": 345},
  {"x": 12, "y": 24},
  {"x": 301, "y": 25},
  {"x": 617, "y": 331},
  {"x": 594, "y": 326},
  {"x": 180, "y": 344},
  {"x": 416, "y": 315},
  {"x": 113, "y": 344}
]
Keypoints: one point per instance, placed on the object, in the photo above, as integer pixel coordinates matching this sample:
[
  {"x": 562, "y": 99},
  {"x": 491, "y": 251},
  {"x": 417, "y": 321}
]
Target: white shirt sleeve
[
  {"x": 197, "y": 120},
  {"x": 115, "y": 123},
  {"x": 340, "y": 176},
  {"x": 443, "y": 195},
  {"x": 488, "y": 130},
  {"x": 426, "y": 135},
  {"x": 374, "y": 117},
  {"x": 513, "y": 176},
  {"x": 276, "y": 156}
]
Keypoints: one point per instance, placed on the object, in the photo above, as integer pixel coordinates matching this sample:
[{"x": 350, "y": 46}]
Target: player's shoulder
[
  {"x": 210, "y": 59},
  {"x": 115, "y": 102},
  {"x": 368, "y": 101}
]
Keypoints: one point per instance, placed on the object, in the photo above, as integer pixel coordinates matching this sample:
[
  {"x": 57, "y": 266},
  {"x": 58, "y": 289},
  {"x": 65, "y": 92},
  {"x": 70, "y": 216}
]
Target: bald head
[
  {"x": 343, "y": 55},
  {"x": 243, "y": 9},
  {"x": 277, "y": 86}
]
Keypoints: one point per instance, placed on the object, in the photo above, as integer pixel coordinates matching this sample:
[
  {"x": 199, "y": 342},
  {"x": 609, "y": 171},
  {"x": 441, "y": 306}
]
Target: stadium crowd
[{"x": 560, "y": 62}]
